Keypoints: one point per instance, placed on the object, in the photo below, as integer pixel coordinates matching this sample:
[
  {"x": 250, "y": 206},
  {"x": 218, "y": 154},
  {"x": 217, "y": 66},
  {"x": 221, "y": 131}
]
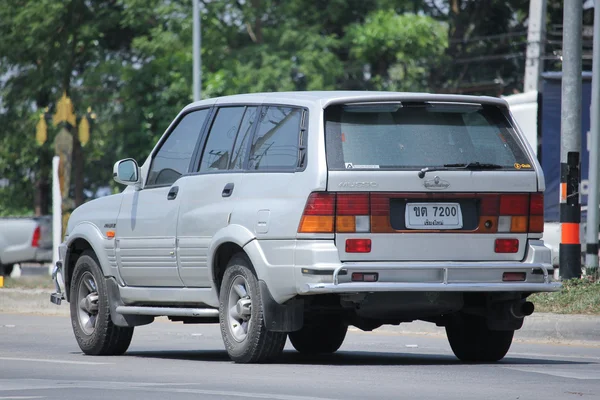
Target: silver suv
[{"x": 298, "y": 214}]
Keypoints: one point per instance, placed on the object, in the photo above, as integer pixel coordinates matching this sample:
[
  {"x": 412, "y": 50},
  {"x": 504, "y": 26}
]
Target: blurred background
[{"x": 126, "y": 67}]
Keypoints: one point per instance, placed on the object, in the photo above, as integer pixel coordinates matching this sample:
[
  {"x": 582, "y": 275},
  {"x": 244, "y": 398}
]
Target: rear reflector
[
  {"x": 358, "y": 245},
  {"x": 35, "y": 240},
  {"x": 514, "y": 276},
  {"x": 506, "y": 246},
  {"x": 365, "y": 277}
]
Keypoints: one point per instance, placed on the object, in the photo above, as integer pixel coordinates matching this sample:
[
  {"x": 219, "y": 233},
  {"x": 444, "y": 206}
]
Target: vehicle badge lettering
[
  {"x": 358, "y": 185},
  {"x": 436, "y": 184}
]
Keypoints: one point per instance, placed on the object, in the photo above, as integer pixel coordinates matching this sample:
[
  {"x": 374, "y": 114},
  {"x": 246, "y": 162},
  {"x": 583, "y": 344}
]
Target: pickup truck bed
[{"x": 24, "y": 240}]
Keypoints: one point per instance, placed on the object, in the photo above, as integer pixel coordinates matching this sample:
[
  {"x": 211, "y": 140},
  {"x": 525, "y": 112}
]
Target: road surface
[{"x": 39, "y": 359}]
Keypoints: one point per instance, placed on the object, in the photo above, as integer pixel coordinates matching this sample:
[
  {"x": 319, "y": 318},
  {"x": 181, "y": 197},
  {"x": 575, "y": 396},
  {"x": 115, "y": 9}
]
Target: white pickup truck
[{"x": 24, "y": 240}]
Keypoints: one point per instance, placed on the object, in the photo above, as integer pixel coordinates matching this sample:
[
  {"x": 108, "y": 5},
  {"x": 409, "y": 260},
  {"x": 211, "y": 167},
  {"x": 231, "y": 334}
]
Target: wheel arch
[
  {"x": 84, "y": 236},
  {"x": 225, "y": 244}
]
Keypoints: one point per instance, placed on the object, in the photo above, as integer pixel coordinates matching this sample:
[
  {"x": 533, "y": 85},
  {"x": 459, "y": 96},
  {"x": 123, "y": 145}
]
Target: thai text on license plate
[{"x": 433, "y": 216}]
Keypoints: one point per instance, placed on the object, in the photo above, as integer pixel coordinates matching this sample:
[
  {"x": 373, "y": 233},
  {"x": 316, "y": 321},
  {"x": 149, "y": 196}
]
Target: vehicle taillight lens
[
  {"x": 520, "y": 213},
  {"x": 536, "y": 213},
  {"x": 320, "y": 203},
  {"x": 352, "y": 211},
  {"x": 319, "y": 214},
  {"x": 358, "y": 245},
  {"x": 506, "y": 246},
  {"x": 35, "y": 241},
  {"x": 352, "y": 204},
  {"x": 514, "y": 204}
]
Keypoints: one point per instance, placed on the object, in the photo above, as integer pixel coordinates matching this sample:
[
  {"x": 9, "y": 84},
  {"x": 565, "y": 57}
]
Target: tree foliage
[{"x": 131, "y": 61}]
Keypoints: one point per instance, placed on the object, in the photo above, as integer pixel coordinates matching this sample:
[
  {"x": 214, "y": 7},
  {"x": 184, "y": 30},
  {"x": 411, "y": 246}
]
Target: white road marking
[
  {"x": 22, "y": 397},
  {"x": 44, "y": 360},
  {"x": 561, "y": 373},
  {"x": 46, "y": 384}
]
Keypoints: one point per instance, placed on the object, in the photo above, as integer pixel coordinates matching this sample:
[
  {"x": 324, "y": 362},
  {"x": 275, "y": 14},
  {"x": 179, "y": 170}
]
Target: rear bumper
[{"x": 444, "y": 276}]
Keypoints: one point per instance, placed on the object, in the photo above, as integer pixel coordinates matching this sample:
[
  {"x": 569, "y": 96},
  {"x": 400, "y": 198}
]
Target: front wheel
[
  {"x": 245, "y": 336},
  {"x": 94, "y": 330},
  {"x": 472, "y": 341}
]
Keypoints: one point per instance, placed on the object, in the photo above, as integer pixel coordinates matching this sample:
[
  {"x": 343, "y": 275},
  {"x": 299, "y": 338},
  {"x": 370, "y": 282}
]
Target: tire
[
  {"x": 94, "y": 330},
  {"x": 472, "y": 341},
  {"x": 323, "y": 335},
  {"x": 245, "y": 336},
  {"x": 6, "y": 270}
]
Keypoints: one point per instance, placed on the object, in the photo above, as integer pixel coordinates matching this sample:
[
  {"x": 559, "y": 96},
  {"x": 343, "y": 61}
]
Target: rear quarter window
[{"x": 394, "y": 136}]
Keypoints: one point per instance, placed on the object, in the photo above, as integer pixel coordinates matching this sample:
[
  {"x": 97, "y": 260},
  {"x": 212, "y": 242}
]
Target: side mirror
[{"x": 127, "y": 172}]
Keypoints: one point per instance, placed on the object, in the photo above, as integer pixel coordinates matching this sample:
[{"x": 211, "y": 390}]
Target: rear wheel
[
  {"x": 322, "y": 335},
  {"x": 245, "y": 336},
  {"x": 472, "y": 341},
  {"x": 94, "y": 330},
  {"x": 6, "y": 270}
]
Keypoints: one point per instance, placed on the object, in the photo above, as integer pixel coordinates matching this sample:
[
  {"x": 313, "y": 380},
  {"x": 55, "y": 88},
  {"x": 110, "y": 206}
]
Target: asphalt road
[{"x": 39, "y": 359}]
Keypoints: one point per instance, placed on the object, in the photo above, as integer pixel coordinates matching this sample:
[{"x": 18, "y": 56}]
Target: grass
[
  {"x": 578, "y": 296},
  {"x": 29, "y": 282}
]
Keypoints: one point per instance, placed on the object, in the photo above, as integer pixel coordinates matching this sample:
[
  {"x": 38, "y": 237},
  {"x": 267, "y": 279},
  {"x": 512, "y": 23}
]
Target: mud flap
[
  {"x": 288, "y": 317},
  {"x": 114, "y": 299}
]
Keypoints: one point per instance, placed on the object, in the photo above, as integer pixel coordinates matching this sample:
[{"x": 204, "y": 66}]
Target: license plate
[{"x": 433, "y": 216}]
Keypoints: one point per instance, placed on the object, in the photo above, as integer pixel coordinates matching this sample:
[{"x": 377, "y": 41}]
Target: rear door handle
[
  {"x": 227, "y": 190},
  {"x": 173, "y": 193}
]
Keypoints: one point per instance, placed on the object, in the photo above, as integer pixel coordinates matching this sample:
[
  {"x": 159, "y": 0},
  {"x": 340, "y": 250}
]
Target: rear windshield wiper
[{"x": 471, "y": 165}]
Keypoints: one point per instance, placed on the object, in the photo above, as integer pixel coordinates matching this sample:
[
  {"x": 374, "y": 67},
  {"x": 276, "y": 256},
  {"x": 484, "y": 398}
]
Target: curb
[{"x": 541, "y": 327}]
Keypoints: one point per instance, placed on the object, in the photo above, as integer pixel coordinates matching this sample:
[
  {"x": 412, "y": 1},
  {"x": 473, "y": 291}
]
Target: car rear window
[{"x": 407, "y": 136}]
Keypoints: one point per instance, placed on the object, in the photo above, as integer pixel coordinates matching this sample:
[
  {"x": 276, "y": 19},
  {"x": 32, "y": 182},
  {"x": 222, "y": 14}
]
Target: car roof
[{"x": 325, "y": 98}]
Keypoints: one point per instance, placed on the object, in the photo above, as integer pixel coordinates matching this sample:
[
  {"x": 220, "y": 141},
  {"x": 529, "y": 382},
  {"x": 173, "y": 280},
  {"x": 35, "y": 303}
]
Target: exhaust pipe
[{"x": 522, "y": 309}]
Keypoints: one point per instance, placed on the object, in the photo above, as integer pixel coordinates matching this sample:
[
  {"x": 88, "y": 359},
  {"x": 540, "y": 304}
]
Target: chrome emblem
[{"x": 436, "y": 184}]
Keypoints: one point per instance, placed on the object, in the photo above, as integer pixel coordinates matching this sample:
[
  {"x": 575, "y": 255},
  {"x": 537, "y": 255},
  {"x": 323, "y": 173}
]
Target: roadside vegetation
[
  {"x": 578, "y": 296},
  {"x": 29, "y": 282}
]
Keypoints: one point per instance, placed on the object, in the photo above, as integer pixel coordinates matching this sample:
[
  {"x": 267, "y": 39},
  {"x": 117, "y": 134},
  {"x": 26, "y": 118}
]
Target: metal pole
[
  {"x": 536, "y": 33},
  {"x": 56, "y": 212},
  {"x": 570, "y": 142},
  {"x": 591, "y": 258},
  {"x": 197, "y": 70}
]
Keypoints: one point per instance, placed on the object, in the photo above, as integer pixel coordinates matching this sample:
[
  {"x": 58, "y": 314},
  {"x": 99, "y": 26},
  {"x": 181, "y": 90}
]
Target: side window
[
  {"x": 219, "y": 146},
  {"x": 275, "y": 145},
  {"x": 241, "y": 144},
  {"x": 173, "y": 158}
]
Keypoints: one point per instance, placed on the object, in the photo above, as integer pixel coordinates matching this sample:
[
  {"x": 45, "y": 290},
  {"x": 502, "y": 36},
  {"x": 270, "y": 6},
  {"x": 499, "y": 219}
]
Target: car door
[
  {"x": 212, "y": 193},
  {"x": 147, "y": 222}
]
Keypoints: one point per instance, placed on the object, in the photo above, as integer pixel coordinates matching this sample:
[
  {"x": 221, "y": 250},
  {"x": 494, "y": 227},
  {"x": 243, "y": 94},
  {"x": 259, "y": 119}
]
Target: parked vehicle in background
[
  {"x": 24, "y": 240},
  {"x": 298, "y": 214}
]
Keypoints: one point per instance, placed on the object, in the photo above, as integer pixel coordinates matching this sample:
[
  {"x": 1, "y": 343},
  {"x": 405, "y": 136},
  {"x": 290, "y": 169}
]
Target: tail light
[
  {"x": 506, "y": 246},
  {"x": 35, "y": 240},
  {"x": 328, "y": 212},
  {"x": 342, "y": 212},
  {"x": 319, "y": 213},
  {"x": 358, "y": 245}
]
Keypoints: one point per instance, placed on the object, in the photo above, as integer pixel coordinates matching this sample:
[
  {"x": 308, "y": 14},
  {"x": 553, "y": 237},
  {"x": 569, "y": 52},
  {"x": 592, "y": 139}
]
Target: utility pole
[
  {"x": 197, "y": 70},
  {"x": 570, "y": 142},
  {"x": 591, "y": 257},
  {"x": 536, "y": 35}
]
